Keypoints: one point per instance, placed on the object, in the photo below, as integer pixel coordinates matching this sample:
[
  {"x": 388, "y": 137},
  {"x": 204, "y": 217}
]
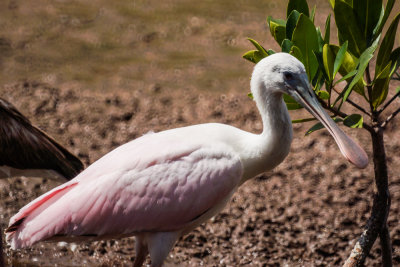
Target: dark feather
[
  {"x": 14, "y": 226},
  {"x": 24, "y": 146}
]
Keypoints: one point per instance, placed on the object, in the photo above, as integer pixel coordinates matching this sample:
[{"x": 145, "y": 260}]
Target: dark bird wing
[{"x": 23, "y": 146}]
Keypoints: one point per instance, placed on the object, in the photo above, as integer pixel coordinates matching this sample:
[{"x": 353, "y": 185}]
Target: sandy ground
[
  {"x": 307, "y": 212},
  {"x": 96, "y": 74}
]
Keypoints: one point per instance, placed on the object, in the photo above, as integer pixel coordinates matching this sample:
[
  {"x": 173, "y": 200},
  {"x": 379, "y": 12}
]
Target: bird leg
[
  {"x": 141, "y": 251},
  {"x": 160, "y": 244}
]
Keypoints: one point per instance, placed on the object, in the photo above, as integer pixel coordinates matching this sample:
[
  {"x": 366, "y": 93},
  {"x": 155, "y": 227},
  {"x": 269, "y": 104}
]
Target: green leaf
[
  {"x": 321, "y": 73},
  {"x": 303, "y": 120},
  {"x": 367, "y": 15},
  {"x": 339, "y": 58},
  {"x": 300, "y": 5},
  {"x": 321, "y": 41},
  {"x": 382, "y": 21},
  {"x": 324, "y": 95},
  {"x": 353, "y": 121},
  {"x": 328, "y": 59},
  {"x": 291, "y": 23},
  {"x": 348, "y": 28},
  {"x": 254, "y": 56},
  {"x": 349, "y": 64},
  {"x": 280, "y": 22},
  {"x": 291, "y": 104},
  {"x": 332, "y": 2},
  {"x": 250, "y": 95},
  {"x": 295, "y": 51},
  {"x": 306, "y": 39},
  {"x": 395, "y": 58},
  {"x": 327, "y": 35},
  {"x": 277, "y": 28},
  {"x": 270, "y": 52},
  {"x": 381, "y": 86},
  {"x": 365, "y": 57},
  {"x": 288, "y": 99},
  {"x": 259, "y": 47},
  {"x": 347, "y": 76},
  {"x": 286, "y": 46},
  {"x": 312, "y": 15},
  {"x": 385, "y": 72},
  {"x": 320, "y": 126},
  {"x": 387, "y": 44},
  {"x": 319, "y": 78}
]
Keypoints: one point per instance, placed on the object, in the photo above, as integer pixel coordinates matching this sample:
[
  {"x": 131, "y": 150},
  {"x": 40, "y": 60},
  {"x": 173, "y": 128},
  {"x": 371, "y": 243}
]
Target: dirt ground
[
  {"x": 307, "y": 212},
  {"x": 96, "y": 74}
]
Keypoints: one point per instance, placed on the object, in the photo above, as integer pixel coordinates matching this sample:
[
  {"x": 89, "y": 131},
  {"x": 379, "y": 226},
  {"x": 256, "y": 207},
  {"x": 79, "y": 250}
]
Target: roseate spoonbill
[
  {"x": 27, "y": 151},
  {"x": 162, "y": 185}
]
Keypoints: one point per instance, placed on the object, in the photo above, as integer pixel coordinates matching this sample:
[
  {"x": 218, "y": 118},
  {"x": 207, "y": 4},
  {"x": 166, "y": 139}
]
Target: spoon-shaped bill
[{"x": 349, "y": 148}]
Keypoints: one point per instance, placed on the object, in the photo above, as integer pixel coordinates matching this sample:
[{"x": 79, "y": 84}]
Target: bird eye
[{"x": 288, "y": 76}]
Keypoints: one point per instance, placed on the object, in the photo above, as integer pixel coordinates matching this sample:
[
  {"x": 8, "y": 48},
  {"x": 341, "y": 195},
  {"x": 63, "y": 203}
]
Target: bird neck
[
  {"x": 275, "y": 117},
  {"x": 274, "y": 113},
  {"x": 272, "y": 146}
]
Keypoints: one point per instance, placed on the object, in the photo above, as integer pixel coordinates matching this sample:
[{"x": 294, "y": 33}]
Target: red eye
[{"x": 288, "y": 76}]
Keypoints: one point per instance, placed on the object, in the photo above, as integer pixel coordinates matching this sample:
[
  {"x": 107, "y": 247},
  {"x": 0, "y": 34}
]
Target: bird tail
[
  {"x": 18, "y": 233},
  {"x": 67, "y": 164}
]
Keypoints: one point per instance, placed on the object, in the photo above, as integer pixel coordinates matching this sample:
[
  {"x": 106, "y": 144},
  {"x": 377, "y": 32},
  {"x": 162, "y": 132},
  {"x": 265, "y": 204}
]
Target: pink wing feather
[{"x": 155, "y": 183}]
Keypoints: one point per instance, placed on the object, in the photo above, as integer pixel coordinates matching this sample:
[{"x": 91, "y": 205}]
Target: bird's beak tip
[
  {"x": 354, "y": 154},
  {"x": 361, "y": 163}
]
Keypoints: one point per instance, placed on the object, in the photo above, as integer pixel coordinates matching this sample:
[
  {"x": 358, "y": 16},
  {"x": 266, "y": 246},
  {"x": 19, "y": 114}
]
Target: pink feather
[{"x": 136, "y": 188}]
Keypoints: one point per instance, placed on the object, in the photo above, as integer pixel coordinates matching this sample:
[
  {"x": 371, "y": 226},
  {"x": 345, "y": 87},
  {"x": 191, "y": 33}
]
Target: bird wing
[
  {"x": 23, "y": 146},
  {"x": 160, "y": 189}
]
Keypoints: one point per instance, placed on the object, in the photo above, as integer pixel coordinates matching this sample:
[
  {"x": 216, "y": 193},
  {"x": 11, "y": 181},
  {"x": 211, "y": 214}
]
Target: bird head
[{"x": 282, "y": 73}]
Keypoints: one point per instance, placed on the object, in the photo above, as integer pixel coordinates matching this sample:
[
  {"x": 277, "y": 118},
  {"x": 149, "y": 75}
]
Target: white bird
[{"x": 162, "y": 185}]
